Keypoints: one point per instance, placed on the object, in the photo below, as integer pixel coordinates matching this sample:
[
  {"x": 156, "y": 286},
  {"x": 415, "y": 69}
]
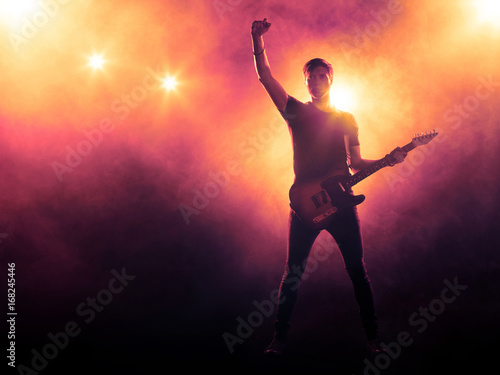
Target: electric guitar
[{"x": 316, "y": 203}]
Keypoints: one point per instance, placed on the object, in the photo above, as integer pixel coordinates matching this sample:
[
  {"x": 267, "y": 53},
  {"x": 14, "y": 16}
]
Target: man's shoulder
[
  {"x": 342, "y": 113},
  {"x": 293, "y": 108},
  {"x": 348, "y": 117},
  {"x": 296, "y": 102}
]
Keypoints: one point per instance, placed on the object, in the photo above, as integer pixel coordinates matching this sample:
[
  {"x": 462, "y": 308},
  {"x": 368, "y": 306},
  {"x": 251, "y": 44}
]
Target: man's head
[{"x": 318, "y": 75}]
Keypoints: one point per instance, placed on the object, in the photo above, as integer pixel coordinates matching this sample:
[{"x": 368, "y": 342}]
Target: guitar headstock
[{"x": 423, "y": 138}]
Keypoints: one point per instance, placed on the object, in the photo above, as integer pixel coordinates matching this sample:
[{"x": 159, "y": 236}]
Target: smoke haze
[{"x": 188, "y": 189}]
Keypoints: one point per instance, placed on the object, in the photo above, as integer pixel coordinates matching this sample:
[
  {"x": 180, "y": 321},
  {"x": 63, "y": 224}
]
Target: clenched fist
[{"x": 260, "y": 27}]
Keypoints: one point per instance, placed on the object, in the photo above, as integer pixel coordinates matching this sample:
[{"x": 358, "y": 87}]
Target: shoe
[
  {"x": 276, "y": 347},
  {"x": 375, "y": 346}
]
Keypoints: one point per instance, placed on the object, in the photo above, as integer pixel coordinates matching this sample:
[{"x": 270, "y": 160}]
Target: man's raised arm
[{"x": 273, "y": 87}]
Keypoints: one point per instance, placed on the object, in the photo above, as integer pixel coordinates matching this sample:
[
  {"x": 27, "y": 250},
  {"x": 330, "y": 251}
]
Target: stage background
[{"x": 151, "y": 222}]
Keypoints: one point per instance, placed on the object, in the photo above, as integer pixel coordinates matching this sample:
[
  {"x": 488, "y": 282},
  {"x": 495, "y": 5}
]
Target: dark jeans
[{"x": 346, "y": 232}]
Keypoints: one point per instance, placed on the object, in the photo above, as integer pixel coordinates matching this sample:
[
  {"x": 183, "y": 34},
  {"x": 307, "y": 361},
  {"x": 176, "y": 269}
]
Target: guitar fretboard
[{"x": 361, "y": 175}]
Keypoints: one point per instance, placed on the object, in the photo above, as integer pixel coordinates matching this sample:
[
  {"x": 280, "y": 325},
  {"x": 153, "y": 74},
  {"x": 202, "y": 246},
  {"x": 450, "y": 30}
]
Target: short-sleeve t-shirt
[{"x": 319, "y": 139}]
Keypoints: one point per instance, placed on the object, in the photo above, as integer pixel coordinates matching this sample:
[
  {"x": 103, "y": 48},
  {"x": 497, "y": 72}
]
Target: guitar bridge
[
  {"x": 324, "y": 215},
  {"x": 320, "y": 199}
]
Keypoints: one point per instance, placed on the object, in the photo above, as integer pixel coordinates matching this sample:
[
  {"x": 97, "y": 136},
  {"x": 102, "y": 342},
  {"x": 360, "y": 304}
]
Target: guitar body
[{"x": 317, "y": 203}]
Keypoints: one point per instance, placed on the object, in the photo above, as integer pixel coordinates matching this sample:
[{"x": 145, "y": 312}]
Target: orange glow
[{"x": 166, "y": 82}]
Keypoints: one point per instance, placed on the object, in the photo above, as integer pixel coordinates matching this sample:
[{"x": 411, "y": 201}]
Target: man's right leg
[{"x": 300, "y": 241}]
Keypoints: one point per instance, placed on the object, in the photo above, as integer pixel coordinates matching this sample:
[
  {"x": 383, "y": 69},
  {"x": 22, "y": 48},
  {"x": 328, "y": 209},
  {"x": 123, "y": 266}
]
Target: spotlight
[
  {"x": 13, "y": 10},
  {"x": 169, "y": 83},
  {"x": 342, "y": 98},
  {"x": 488, "y": 11},
  {"x": 96, "y": 61}
]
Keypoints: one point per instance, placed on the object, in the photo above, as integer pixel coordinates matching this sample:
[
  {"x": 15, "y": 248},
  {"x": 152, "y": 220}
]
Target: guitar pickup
[{"x": 320, "y": 199}]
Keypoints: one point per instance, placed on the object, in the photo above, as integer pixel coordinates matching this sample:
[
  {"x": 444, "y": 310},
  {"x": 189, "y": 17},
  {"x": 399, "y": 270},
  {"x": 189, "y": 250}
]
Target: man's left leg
[{"x": 347, "y": 233}]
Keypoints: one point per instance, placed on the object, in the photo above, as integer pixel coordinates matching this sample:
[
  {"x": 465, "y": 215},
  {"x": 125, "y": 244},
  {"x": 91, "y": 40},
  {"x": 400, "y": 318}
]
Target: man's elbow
[
  {"x": 355, "y": 165},
  {"x": 265, "y": 78},
  {"x": 354, "y": 169}
]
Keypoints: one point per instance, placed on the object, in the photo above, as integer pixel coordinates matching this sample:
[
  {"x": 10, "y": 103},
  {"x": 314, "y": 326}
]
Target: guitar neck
[{"x": 364, "y": 173}]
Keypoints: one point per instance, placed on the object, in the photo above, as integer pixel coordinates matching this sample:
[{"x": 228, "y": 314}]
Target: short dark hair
[{"x": 314, "y": 63}]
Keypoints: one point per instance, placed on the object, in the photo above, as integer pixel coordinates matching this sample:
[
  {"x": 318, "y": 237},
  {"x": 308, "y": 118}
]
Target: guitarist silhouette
[{"x": 324, "y": 140}]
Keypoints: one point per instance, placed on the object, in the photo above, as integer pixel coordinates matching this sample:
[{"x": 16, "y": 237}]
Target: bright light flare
[
  {"x": 488, "y": 11},
  {"x": 169, "y": 83},
  {"x": 96, "y": 61},
  {"x": 15, "y": 9},
  {"x": 343, "y": 98}
]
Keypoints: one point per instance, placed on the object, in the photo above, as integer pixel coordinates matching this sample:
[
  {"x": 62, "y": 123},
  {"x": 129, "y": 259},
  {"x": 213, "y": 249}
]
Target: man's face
[{"x": 318, "y": 82}]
